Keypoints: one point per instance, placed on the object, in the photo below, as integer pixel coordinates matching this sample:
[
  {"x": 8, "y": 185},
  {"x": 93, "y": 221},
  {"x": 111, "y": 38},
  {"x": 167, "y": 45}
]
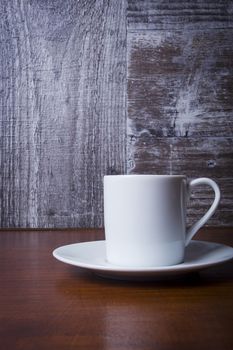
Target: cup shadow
[{"x": 222, "y": 273}]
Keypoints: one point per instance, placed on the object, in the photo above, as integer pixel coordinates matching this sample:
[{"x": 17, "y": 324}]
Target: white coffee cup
[{"x": 145, "y": 218}]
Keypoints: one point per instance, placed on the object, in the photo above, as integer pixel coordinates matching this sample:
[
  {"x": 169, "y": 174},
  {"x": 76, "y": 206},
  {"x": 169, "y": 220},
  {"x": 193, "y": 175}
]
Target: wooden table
[{"x": 45, "y": 304}]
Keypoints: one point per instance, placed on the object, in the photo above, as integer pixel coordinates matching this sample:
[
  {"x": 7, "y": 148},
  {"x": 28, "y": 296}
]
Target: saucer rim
[{"x": 107, "y": 267}]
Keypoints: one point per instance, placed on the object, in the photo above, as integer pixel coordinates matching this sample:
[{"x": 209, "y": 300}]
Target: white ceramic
[
  {"x": 92, "y": 255},
  {"x": 145, "y": 218}
]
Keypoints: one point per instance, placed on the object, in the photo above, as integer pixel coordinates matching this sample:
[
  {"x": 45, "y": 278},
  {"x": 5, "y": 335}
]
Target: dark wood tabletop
[{"x": 46, "y": 304}]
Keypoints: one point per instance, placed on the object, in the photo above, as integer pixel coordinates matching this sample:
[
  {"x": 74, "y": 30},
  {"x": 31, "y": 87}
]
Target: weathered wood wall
[
  {"x": 180, "y": 95},
  {"x": 68, "y": 69},
  {"x": 63, "y": 83}
]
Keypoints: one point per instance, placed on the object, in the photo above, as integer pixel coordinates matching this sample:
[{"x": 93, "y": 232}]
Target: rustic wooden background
[{"x": 96, "y": 87}]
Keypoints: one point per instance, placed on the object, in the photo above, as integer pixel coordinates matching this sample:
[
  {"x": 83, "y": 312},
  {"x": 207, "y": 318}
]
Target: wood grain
[
  {"x": 179, "y": 14},
  {"x": 180, "y": 106},
  {"x": 46, "y": 304},
  {"x": 71, "y": 71},
  {"x": 63, "y": 82},
  {"x": 181, "y": 83}
]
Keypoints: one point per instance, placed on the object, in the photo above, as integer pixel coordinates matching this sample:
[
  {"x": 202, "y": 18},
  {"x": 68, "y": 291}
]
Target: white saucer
[{"x": 92, "y": 256}]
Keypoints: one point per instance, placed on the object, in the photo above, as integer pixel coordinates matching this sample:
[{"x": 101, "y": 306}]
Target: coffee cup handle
[{"x": 195, "y": 227}]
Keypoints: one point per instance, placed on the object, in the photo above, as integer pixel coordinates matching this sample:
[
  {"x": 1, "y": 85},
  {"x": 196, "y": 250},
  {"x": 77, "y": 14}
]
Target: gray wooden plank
[
  {"x": 198, "y": 207},
  {"x": 180, "y": 109},
  {"x": 211, "y": 157},
  {"x": 63, "y": 82},
  {"x": 181, "y": 83},
  {"x": 179, "y": 14}
]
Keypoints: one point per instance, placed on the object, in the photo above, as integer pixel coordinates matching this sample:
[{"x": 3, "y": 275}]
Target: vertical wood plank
[
  {"x": 63, "y": 68},
  {"x": 180, "y": 89}
]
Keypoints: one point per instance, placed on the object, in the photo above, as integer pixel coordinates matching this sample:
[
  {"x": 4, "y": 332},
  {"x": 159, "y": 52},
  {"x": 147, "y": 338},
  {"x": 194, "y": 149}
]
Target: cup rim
[{"x": 145, "y": 175}]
